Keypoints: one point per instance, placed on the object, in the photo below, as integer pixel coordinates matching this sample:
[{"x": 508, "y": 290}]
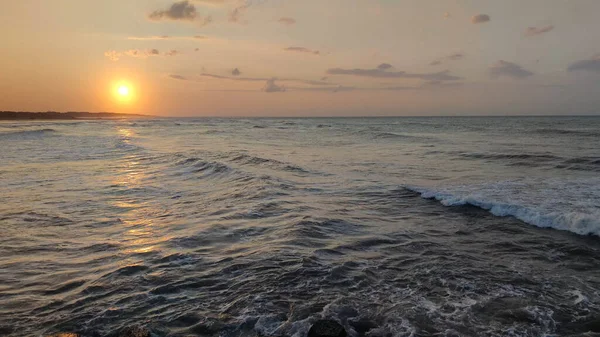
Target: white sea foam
[{"x": 564, "y": 205}]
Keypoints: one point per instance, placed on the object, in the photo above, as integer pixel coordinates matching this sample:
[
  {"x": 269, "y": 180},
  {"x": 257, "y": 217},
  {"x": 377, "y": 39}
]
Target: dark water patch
[
  {"x": 398, "y": 136},
  {"x": 509, "y": 156},
  {"x": 126, "y": 271},
  {"x": 70, "y": 286},
  {"x": 324, "y": 229},
  {"x": 567, "y": 132}
]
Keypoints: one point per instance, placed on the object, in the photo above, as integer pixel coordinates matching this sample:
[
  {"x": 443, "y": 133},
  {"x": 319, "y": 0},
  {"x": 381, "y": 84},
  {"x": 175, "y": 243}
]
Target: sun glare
[{"x": 123, "y": 90}]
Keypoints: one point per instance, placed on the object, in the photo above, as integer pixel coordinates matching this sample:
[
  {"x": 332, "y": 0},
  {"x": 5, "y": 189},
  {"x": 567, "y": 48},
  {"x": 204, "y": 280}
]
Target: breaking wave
[{"x": 578, "y": 222}]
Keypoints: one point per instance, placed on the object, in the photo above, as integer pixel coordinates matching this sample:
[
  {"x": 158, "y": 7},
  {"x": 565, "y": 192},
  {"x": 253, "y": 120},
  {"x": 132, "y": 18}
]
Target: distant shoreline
[{"x": 71, "y": 115}]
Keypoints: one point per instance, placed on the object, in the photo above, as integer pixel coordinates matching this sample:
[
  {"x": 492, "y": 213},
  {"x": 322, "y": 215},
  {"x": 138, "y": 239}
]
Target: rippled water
[{"x": 245, "y": 227}]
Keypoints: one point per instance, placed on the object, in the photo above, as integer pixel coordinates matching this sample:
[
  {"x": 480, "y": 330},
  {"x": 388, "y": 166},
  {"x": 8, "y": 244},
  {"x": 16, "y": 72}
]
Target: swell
[
  {"x": 553, "y": 132},
  {"x": 246, "y": 159},
  {"x": 25, "y": 133},
  {"x": 572, "y": 221},
  {"x": 398, "y": 136},
  {"x": 537, "y": 160}
]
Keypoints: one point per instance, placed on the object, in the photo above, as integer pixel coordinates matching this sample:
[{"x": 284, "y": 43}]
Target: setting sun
[{"x": 123, "y": 90}]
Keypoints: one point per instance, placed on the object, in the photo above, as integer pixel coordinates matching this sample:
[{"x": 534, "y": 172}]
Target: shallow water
[{"x": 238, "y": 227}]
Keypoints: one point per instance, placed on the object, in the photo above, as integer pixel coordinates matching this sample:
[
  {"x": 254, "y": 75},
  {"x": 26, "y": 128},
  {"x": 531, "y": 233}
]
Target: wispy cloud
[
  {"x": 271, "y": 86},
  {"x": 237, "y": 13},
  {"x": 533, "y": 31},
  {"x": 508, "y": 69},
  {"x": 172, "y": 53},
  {"x": 179, "y": 77},
  {"x": 112, "y": 55},
  {"x": 244, "y": 79},
  {"x": 142, "y": 53},
  {"x": 384, "y": 66},
  {"x": 180, "y": 11},
  {"x": 383, "y": 73},
  {"x": 287, "y": 21},
  {"x": 166, "y": 37},
  {"x": 452, "y": 57},
  {"x": 480, "y": 18},
  {"x": 302, "y": 50},
  {"x": 590, "y": 65}
]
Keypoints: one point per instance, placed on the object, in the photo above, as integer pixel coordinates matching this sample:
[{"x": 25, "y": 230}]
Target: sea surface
[{"x": 259, "y": 227}]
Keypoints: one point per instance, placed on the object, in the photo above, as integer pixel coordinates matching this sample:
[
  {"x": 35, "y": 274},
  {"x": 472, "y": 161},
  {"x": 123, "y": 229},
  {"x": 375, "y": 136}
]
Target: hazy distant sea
[{"x": 245, "y": 227}]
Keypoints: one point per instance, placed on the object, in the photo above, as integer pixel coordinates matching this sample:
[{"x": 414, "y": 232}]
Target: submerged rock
[{"x": 326, "y": 328}]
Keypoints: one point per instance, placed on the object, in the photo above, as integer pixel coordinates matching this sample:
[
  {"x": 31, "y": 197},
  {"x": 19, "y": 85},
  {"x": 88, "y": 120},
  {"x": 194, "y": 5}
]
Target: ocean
[{"x": 445, "y": 226}]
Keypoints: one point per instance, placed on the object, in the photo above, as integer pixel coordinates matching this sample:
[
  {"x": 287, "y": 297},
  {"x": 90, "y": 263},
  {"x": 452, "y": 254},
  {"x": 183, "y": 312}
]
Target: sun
[{"x": 123, "y": 90}]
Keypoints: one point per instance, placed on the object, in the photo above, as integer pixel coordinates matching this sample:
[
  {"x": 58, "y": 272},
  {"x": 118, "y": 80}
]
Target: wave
[
  {"x": 39, "y": 132},
  {"x": 391, "y": 135},
  {"x": 537, "y": 160},
  {"x": 578, "y": 222},
  {"x": 246, "y": 159},
  {"x": 583, "y": 133},
  {"x": 196, "y": 165},
  {"x": 508, "y": 156}
]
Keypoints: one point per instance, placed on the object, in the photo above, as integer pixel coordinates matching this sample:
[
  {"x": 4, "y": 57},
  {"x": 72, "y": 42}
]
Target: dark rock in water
[
  {"x": 326, "y": 328},
  {"x": 135, "y": 331},
  {"x": 362, "y": 326},
  {"x": 593, "y": 325}
]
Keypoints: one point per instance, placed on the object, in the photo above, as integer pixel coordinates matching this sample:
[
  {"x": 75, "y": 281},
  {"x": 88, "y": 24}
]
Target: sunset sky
[{"x": 301, "y": 58}]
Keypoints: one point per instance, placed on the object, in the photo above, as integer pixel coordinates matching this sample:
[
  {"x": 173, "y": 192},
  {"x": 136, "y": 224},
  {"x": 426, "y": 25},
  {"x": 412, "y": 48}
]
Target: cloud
[
  {"x": 533, "y": 31},
  {"x": 384, "y": 66},
  {"x": 480, "y": 18},
  {"x": 149, "y": 38},
  {"x": 211, "y": 2},
  {"x": 261, "y": 79},
  {"x": 287, "y": 21},
  {"x": 591, "y": 65},
  {"x": 302, "y": 50},
  {"x": 113, "y": 55},
  {"x": 172, "y": 53},
  {"x": 452, "y": 57},
  {"x": 245, "y": 79},
  {"x": 440, "y": 84},
  {"x": 238, "y": 12},
  {"x": 236, "y": 72},
  {"x": 166, "y": 37},
  {"x": 271, "y": 86},
  {"x": 179, "y": 77},
  {"x": 180, "y": 11},
  {"x": 142, "y": 53},
  {"x": 382, "y": 73},
  {"x": 509, "y": 69}
]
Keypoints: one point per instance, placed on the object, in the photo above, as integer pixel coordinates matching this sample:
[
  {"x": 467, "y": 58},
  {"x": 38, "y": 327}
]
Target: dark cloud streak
[
  {"x": 381, "y": 73},
  {"x": 508, "y": 69}
]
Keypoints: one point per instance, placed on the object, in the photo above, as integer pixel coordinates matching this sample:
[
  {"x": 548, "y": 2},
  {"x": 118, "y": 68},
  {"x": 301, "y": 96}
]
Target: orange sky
[{"x": 302, "y": 58}]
